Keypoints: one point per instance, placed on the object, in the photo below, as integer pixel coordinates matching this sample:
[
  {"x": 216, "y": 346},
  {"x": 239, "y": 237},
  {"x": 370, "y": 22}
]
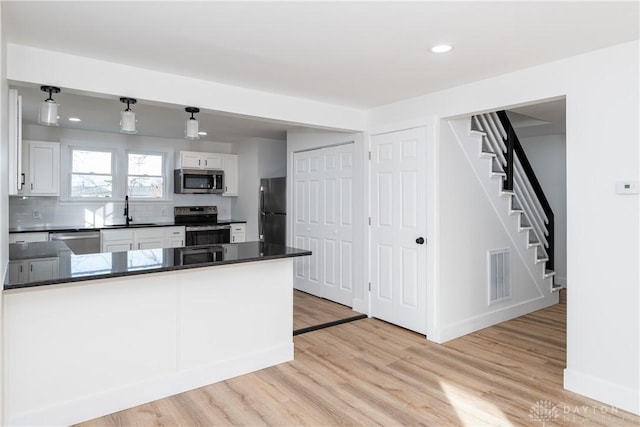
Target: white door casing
[
  {"x": 323, "y": 222},
  {"x": 398, "y": 194}
]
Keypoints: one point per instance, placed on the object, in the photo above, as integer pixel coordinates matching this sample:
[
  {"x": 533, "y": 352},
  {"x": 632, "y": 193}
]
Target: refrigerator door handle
[
  {"x": 261, "y": 224},
  {"x": 261, "y": 198}
]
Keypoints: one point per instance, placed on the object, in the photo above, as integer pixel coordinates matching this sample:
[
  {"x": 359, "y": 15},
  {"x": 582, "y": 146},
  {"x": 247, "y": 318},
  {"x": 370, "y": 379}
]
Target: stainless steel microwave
[{"x": 198, "y": 181}]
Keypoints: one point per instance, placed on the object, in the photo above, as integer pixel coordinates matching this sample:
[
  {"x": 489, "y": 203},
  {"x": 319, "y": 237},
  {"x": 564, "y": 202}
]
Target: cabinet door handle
[
  {"x": 31, "y": 267},
  {"x": 22, "y": 179},
  {"x": 32, "y": 185},
  {"x": 198, "y": 162},
  {"x": 130, "y": 245},
  {"x": 206, "y": 162},
  {"x": 20, "y": 269},
  {"x": 181, "y": 243}
]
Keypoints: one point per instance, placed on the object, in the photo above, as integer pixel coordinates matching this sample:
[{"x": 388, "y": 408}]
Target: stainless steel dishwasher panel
[{"x": 80, "y": 242}]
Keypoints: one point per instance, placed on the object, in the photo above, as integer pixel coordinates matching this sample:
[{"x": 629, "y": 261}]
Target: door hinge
[{"x": 369, "y": 286}]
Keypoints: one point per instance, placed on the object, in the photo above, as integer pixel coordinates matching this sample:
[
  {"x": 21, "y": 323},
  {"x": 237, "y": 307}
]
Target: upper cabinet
[
  {"x": 15, "y": 143},
  {"x": 41, "y": 169},
  {"x": 225, "y": 162},
  {"x": 197, "y": 160},
  {"x": 230, "y": 168}
]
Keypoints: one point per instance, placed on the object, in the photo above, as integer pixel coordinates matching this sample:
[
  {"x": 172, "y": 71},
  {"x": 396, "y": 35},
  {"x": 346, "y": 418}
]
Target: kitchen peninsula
[{"x": 114, "y": 330}]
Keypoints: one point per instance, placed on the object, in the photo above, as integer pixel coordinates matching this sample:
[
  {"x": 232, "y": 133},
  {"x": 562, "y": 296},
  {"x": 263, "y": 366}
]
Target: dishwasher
[{"x": 80, "y": 242}]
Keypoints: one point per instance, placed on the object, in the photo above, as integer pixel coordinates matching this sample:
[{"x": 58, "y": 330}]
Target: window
[
  {"x": 144, "y": 178},
  {"x": 91, "y": 173}
]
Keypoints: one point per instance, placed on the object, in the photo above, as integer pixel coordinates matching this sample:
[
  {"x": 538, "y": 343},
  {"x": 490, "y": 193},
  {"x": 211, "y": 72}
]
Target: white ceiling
[{"x": 360, "y": 54}]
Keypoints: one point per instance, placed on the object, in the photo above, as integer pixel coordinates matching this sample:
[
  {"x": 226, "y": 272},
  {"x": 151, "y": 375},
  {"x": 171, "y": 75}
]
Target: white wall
[
  {"x": 476, "y": 220},
  {"x": 80, "y": 74},
  {"x": 257, "y": 158},
  {"x": 56, "y": 211},
  {"x": 603, "y": 229},
  {"x": 547, "y": 155},
  {"x": 308, "y": 139}
]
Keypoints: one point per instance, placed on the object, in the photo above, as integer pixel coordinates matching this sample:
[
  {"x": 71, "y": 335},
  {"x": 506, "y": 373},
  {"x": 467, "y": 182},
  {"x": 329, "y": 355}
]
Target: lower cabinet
[
  {"x": 141, "y": 238},
  {"x": 33, "y": 270},
  {"x": 238, "y": 232}
]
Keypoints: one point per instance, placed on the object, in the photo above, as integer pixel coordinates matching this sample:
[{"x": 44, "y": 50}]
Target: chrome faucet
[{"x": 126, "y": 210}]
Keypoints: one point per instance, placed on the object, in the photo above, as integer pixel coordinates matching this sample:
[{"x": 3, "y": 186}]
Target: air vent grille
[{"x": 499, "y": 268}]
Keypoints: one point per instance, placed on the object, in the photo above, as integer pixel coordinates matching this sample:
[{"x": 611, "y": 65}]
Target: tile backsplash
[{"x": 50, "y": 211}]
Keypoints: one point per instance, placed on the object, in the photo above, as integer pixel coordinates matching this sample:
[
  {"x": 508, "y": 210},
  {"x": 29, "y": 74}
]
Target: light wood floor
[
  {"x": 369, "y": 372},
  {"x": 309, "y": 310}
]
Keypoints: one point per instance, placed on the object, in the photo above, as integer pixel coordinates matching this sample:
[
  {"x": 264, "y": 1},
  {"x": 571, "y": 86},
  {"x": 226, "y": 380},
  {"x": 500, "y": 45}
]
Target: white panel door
[
  {"x": 323, "y": 222},
  {"x": 398, "y": 221}
]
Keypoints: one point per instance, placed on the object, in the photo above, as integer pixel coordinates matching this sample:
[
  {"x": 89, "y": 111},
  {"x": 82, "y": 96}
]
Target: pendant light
[
  {"x": 191, "y": 127},
  {"x": 128, "y": 117},
  {"x": 49, "y": 109}
]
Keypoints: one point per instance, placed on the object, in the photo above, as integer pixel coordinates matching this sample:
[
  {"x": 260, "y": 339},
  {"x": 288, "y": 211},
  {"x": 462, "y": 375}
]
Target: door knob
[{"x": 420, "y": 240}]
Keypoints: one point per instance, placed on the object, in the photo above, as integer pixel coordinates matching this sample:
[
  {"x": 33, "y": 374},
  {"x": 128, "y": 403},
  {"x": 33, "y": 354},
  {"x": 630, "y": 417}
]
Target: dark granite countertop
[
  {"x": 67, "y": 228},
  {"x": 75, "y": 268}
]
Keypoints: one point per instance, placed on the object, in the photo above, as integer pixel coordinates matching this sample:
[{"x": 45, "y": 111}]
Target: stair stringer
[{"x": 471, "y": 143}]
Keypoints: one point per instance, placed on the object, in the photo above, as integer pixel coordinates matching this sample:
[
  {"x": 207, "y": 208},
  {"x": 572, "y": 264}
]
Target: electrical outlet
[{"x": 36, "y": 215}]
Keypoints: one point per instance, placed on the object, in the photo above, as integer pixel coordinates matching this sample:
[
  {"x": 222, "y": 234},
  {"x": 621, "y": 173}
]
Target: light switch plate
[{"x": 627, "y": 187}]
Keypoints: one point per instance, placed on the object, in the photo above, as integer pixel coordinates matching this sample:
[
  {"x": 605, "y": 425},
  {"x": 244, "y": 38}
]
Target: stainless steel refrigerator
[{"x": 273, "y": 208}]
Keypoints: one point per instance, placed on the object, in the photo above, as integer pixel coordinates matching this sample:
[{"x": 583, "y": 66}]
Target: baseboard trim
[
  {"x": 604, "y": 391},
  {"x": 108, "y": 402},
  {"x": 473, "y": 324}
]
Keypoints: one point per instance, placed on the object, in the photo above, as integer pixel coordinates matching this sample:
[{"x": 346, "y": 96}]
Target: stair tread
[
  {"x": 477, "y": 132},
  {"x": 548, "y": 273},
  {"x": 487, "y": 154}
]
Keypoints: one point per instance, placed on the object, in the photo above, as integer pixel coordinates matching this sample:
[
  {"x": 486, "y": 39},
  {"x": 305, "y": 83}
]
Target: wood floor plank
[
  {"x": 309, "y": 310},
  {"x": 369, "y": 372}
]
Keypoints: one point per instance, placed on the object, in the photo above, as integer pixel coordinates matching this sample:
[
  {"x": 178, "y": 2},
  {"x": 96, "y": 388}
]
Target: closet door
[
  {"x": 398, "y": 237},
  {"x": 323, "y": 222}
]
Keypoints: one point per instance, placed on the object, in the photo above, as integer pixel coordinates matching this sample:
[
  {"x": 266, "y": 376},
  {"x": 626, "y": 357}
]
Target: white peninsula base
[{"x": 77, "y": 351}]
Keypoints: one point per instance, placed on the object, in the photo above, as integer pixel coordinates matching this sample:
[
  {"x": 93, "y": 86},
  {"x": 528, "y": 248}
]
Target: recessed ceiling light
[
  {"x": 74, "y": 119},
  {"x": 202, "y": 133},
  {"x": 441, "y": 48}
]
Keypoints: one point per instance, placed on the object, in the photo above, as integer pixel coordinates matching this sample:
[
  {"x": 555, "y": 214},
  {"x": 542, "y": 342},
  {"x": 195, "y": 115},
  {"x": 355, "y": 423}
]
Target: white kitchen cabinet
[
  {"x": 174, "y": 237},
  {"x": 148, "y": 238},
  {"x": 120, "y": 240},
  {"x": 230, "y": 168},
  {"x": 238, "y": 232},
  {"x": 15, "y": 143},
  {"x": 34, "y": 270},
  {"x": 116, "y": 240},
  {"x": 42, "y": 171},
  {"x": 199, "y": 160},
  {"x": 28, "y": 237}
]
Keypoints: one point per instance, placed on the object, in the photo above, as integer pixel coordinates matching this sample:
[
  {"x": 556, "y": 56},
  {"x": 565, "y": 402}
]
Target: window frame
[
  {"x": 114, "y": 181},
  {"x": 164, "y": 174}
]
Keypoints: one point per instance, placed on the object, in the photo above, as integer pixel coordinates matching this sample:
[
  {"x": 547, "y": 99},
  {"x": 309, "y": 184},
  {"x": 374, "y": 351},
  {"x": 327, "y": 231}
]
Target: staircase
[{"x": 506, "y": 161}]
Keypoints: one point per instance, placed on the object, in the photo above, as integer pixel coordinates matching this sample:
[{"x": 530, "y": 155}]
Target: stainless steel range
[{"x": 201, "y": 225}]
